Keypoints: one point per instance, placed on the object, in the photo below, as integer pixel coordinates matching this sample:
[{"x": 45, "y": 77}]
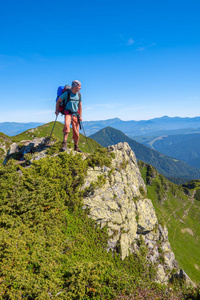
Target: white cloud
[
  {"x": 145, "y": 47},
  {"x": 130, "y": 42},
  {"x": 125, "y": 41},
  {"x": 88, "y": 108}
]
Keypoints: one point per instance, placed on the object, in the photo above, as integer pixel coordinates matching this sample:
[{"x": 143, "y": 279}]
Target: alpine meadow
[{"x": 93, "y": 225}]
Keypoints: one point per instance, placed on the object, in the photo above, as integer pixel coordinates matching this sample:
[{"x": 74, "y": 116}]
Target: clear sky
[{"x": 136, "y": 59}]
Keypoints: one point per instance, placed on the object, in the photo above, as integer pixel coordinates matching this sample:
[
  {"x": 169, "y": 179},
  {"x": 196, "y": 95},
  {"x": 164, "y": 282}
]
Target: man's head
[{"x": 76, "y": 85}]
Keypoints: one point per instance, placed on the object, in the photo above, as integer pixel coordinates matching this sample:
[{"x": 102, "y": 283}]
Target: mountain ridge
[
  {"x": 130, "y": 127},
  {"x": 185, "y": 147},
  {"x": 166, "y": 165},
  {"x": 14, "y": 128},
  {"x": 46, "y": 188},
  {"x": 143, "y": 127}
]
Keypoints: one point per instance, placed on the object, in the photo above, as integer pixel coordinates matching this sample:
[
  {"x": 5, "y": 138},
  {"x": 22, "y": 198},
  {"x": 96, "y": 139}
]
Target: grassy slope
[
  {"x": 45, "y": 130},
  {"x": 181, "y": 214},
  {"x": 185, "y": 245},
  {"x": 49, "y": 247}
]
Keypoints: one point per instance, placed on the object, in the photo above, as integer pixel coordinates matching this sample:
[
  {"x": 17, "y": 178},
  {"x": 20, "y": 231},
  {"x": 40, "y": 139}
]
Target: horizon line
[{"x": 99, "y": 120}]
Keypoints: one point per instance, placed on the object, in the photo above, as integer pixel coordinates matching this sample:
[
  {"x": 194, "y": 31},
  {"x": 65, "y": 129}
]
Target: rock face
[
  {"x": 122, "y": 206},
  {"x": 4, "y": 144},
  {"x": 37, "y": 145}
]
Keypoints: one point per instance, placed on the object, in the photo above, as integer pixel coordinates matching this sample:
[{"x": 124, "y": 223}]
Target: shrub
[{"x": 101, "y": 157}]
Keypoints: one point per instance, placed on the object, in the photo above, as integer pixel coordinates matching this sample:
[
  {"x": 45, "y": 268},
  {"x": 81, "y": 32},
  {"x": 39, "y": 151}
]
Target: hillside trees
[
  {"x": 49, "y": 248},
  {"x": 33, "y": 220}
]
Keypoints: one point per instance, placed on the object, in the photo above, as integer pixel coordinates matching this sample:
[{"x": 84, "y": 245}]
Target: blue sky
[{"x": 136, "y": 59}]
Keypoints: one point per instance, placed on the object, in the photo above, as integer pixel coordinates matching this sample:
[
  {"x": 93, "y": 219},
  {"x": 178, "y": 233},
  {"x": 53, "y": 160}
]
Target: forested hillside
[
  {"x": 185, "y": 147},
  {"x": 50, "y": 249},
  {"x": 175, "y": 170}
]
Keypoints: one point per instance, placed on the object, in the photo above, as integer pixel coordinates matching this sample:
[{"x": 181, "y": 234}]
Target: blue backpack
[{"x": 60, "y": 91}]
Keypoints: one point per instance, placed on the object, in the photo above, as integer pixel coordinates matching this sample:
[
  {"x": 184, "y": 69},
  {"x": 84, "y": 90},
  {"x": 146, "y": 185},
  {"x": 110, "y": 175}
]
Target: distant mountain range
[
  {"x": 173, "y": 169},
  {"x": 153, "y": 127},
  {"x": 157, "y": 126},
  {"x": 14, "y": 128},
  {"x": 185, "y": 147}
]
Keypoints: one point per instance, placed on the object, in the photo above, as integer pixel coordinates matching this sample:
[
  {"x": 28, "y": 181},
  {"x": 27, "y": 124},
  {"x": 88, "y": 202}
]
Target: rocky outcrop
[
  {"x": 121, "y": 205},
  {"x": 27, "y": 146},
  {"x": 5, "y": 141},
  {"x": 18, "y": 150}
]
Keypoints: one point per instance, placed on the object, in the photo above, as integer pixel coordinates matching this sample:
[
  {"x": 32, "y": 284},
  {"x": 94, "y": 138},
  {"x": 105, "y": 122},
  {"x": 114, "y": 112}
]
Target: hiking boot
[
  {"x": 76, "y": 148},
  {"x": 64, "y": 146}
]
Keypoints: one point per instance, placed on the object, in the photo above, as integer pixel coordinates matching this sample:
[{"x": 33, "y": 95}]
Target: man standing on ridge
[{"x": 73, "y": 113}]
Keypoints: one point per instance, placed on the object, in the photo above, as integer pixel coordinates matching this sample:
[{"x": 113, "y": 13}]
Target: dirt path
[{"x": 190, "y": 199}]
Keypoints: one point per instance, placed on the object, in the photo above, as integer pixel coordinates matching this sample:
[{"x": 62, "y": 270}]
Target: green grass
[
  {"x": 181, "y": 214},
  {"x": 48, "y": 245},
  {"x": 50, "y": 249},
  {"x": 40, "y": 131},
  {"x": 85, "y": 144}
]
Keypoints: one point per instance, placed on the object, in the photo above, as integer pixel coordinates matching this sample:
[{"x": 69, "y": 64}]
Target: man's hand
[
  {"x": 80, "y": 119},
  {"x": 57, "y": 106}
]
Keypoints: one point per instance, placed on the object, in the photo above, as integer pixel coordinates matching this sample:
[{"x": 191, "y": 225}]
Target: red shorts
[{"x": 75, "y": 126}]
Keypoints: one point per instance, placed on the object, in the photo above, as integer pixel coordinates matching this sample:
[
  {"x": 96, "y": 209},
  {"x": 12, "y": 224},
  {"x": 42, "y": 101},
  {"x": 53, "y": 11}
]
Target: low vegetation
[
  {"x": 85, "y": 144},
  {"x": 176, "y": 207},
  {"x": 50, "y": 249},
  {"x": 194, "y": 187}
]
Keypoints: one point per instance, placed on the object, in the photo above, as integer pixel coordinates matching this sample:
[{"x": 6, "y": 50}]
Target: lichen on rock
[{"x": 121, "y": 205}]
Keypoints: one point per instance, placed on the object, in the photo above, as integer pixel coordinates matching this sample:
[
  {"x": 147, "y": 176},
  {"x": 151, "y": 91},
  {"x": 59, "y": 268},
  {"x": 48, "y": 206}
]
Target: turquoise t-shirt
[{"x": 73, "y": 103}]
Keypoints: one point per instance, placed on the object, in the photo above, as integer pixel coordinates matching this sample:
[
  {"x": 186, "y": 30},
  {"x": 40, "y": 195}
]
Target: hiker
[{"x": 72, "y": 112}]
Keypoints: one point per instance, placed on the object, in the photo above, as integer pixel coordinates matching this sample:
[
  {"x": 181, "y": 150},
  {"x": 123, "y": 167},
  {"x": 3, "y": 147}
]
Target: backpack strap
[{"x": 68, "y": 99}]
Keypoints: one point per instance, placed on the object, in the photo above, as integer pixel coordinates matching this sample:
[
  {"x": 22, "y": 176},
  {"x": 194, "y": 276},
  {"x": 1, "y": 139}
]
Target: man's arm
[
  {"x": 57, "y": 105},
  {"x": 80, "y": 110}
]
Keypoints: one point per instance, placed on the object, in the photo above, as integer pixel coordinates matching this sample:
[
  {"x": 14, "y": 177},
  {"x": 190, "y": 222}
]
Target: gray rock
[
  {"x": 182, "y": 275},
  {"x": 122, "y": 206},
  {"x": 161, "y": 275},
  {"x": 147, "y": 219},
  {"x": 13, "y": 148}
]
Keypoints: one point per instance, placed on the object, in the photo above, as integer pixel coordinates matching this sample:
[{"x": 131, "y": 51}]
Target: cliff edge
[{"x": 121, "y": 205}]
